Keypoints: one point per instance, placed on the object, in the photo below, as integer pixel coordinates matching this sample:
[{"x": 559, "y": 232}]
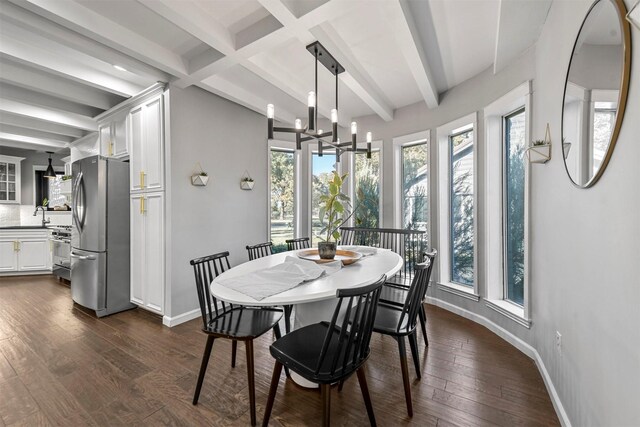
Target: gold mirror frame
[{"x": 624, "y": 88}]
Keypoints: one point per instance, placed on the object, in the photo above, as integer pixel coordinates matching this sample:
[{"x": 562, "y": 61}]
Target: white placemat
[{"x": 292, "y": 272}]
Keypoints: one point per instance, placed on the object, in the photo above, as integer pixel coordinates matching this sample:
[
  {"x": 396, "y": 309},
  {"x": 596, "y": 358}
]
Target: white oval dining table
[{"x": 313, "y": 301}]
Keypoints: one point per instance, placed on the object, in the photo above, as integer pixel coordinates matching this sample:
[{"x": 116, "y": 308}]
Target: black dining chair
[
  {"x": 396, "y": 294},
  {"x": 401, "y": 323},
  {"x": 299, "y": 243},
  {"x": 221, "y": 320},
  {"x": 330, "y": 352},
  {"x": 262, "y": 250}
]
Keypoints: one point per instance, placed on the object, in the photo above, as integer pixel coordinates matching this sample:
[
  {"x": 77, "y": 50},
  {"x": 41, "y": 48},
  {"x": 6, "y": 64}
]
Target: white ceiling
[{"x": 57, "y": 57}]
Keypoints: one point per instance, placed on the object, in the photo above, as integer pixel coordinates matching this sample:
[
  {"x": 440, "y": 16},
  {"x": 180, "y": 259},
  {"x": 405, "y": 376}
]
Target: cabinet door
[
  {"x": 106, "y": 144},
  {"x": 136, "y": 151},
  {"x": 8, "y": 255},
  {"x": 154, "y": 252},
  {"x": 137, "y": 245},
  {"x": 153, "y": 144},
  {"x": 119, "y": 137},
  {"x": 33, "y": 255}
]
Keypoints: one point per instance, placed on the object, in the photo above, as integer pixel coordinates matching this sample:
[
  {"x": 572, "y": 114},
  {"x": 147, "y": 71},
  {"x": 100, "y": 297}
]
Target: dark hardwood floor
[{"x": 62, "y": 366}]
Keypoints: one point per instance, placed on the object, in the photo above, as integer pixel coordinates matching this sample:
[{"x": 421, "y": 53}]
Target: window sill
[
  {"x": 462, "y": 291},
  {"x": 509, "y": 310}
]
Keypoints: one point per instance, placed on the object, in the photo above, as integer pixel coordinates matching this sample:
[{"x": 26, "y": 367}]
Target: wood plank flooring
[{"x": 60, "y": 365}]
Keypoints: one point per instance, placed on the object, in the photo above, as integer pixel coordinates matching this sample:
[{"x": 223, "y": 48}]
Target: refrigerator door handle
[
  {"x": 84, "y": 208},
  {"x": 74, "y": 196},
  {"x": 82, "y": 257}
]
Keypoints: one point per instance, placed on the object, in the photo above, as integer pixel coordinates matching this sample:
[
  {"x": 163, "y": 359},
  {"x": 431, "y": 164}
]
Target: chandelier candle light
[{"x": 310, "y": 133}]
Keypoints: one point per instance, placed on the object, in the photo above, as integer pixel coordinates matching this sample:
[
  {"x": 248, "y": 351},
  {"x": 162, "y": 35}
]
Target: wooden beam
[
  {"x": 48, "y": 115},
  {"x": 409, "y": 39},
  {"x": 53, "y": 85},
  {"x": 95, "y": 26},
  {"x": 31, "y": 140},
  {"x": 16, "y": 130},
  {"x": 28, "y": 96},
  {"x": 38, "y": 125}
]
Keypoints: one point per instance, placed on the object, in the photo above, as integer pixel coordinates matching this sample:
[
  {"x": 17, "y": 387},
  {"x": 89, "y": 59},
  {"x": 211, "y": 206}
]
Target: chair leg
[
  {"x": 275, "y": 379},
  {"x": 287, "y": 318},
  {"x": 405, "y": 375},
  {"x": 252, "y": 386},
  {"x": 276, "y": 331},
  {"x": 203, "y": 367},
  {"x": 341, "y": 384},
  {"x": 362, "y": 380},
  {"x": 234, "y": 350},
  {"x": 325, "y": 390},
  {"x": 423, "y": 324},
  {"x": 415, "y": 354}
]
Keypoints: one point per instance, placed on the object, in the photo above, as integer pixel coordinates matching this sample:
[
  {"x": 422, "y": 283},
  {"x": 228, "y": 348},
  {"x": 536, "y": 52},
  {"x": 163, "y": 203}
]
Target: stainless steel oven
[{"x": 61, "y": 241}]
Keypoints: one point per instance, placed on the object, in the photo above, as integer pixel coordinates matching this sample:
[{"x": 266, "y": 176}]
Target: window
[
  {"x": 461, "y": 214},
  {"x": 506, "y": 218},
  {"x": 282, "y": 197},
  {"x": 321, "y": 173},
  {"x": 604, "y": 119},
  {"x": 10, "y": 179},
  {"x": 415, "y": 186},
  {"x": 513, "y": 205},
  {"x": 367, "y": 190}
]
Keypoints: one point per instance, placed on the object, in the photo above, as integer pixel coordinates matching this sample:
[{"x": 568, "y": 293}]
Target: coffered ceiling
[{"x": 58, "y": 57}]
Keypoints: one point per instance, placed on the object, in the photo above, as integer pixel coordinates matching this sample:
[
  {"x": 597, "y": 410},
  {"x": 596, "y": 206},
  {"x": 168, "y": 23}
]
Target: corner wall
[{"x": 226, "y": 139}]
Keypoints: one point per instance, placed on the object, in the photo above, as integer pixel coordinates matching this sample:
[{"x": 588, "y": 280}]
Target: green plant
[
  {"x": 334, "y": 208},
  {"x": 203, "y": 173},
  {"x": 538, "y": 142},
  {"x": 247, "y": 179},
  {"x": 67, "y": 177}
]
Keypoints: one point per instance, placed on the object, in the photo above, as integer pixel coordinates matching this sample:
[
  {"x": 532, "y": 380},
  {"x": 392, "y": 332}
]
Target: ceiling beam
[
  {"x": 52, "y": 85},
  {"x": 28, "y": 146},
  {"x": 16, "y": 130},
  {"x": 31, "y": 140},
  {"x": 95, "y": 26},
  {"x": 41, "y": 58},
  {"x": 8, "y": 91},
  {"x": 413, "y": 51},
  {"x": 58, "y": 33},
  {"x": 356, "y": 78},
  {"x": 38, "y": 125},
  {"x": 239, "y": 95},
  {"x": 48, "y": 115}
]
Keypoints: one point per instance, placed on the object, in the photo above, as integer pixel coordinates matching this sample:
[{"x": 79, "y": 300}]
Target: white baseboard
[
  {"x": 181, "y": 318},
  {"x": 517, "y": 343}
]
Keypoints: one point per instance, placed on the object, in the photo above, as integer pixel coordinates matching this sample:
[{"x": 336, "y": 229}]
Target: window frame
[
  {"x": 311, "y": 150},
  {"x": 285, "y": 146},
  {"x": 400, "y": 142},
  {"x": 376, "y": 146},
  {"x": 505, "y": 279},
  {"x": 494, "y": 224},
  {"x": 444, "y": 206}
]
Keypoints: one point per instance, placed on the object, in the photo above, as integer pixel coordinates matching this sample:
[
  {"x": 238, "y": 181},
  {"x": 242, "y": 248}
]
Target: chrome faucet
[{"x": 44, "y": 221}]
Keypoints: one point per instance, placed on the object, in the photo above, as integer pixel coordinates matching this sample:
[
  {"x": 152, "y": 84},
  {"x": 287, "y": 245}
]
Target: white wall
[{"x": 226, "y": 139}]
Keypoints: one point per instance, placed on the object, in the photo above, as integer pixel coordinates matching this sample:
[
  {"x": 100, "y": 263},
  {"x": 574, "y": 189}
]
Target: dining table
[{"x": 313, "y": 301}]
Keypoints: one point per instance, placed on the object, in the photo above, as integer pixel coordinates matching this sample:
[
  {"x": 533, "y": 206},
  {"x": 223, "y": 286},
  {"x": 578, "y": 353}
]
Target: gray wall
[
  {"x": 32, "y": 158},
  {"x": 585, "y": 244},
  {"x": 226, "y": 139}
]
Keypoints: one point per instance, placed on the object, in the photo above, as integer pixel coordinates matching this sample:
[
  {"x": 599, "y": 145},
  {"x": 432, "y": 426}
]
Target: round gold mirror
[{"x": 595, "y": 91}]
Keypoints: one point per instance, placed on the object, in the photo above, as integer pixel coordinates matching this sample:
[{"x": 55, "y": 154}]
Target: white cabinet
[
  {"x": 113, "y": 137},
  {"x": 146, "y": 141},
  {"x": 10, "y": 179},
  {"x": 147, "y": 251},
  {"x": 26, "y": 251}
]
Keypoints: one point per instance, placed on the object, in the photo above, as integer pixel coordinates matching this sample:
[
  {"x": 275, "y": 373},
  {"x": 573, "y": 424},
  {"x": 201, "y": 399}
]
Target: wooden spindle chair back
[
  {"x": 205, "y": 270},
  {"x": 260, "y": 250},
  {"x": 299, "y": 243}
]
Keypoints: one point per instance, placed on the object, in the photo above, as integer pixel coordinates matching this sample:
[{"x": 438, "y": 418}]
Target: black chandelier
[{"x": 310, "y": 132}]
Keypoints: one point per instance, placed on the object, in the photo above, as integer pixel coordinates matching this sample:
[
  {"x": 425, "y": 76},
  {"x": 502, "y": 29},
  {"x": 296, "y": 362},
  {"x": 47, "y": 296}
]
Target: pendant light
[{"x": 50, "y": 173}]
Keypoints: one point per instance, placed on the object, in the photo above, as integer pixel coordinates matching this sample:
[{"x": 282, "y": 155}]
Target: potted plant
[
  {"x": 334, "y": 212},
  {"x": 200, "y": 179},
  {"x": 246, "y": 183}
]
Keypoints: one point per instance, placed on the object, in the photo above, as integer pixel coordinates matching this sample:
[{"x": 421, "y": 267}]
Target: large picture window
[
  {"x": 282, "y": 197},
  {"x": 321, "y": 173},
  {"x": 514, "y": 194},
  {"x": 461, "y": 215},
  {"x": 367, "y": 190},
  {"x": 415, "y": 186}
]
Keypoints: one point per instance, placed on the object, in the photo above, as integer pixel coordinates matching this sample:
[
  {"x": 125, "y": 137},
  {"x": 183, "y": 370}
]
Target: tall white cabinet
[{"x": 145, "y": 143}]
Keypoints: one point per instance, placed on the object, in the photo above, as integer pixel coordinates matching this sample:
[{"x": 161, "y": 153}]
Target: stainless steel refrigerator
[{"x": 100, "y": 235}]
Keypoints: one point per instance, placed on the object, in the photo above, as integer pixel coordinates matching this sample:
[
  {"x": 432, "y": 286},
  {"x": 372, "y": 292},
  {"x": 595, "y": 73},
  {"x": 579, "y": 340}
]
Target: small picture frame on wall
[{"x": 634, "y": 15}]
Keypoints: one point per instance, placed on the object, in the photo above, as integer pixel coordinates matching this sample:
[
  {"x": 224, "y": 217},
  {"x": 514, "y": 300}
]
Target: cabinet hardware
[
  {"x": 142, "y": 207},
  {"x": 110, "y": 148},
  {"x": 16, "y": 246},
  {"x": 142, "y": 174}
]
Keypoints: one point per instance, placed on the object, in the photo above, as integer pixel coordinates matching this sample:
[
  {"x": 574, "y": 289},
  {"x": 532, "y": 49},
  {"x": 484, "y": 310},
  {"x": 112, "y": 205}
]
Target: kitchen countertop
[{"x": 23, "y": 227}]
